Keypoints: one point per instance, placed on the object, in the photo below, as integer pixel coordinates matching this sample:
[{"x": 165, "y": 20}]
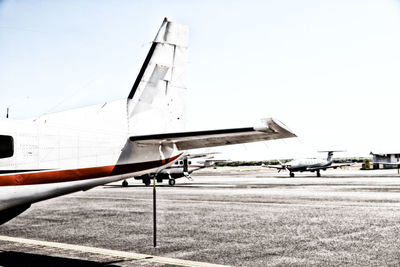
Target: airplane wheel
[
  {"x": 318, "y": 174},
  {"x": 124, "y": 183},
  {"x": 171, "y": 182},
  {"x": 291, "y": 174},
  {"x": 146, "y": 182}
]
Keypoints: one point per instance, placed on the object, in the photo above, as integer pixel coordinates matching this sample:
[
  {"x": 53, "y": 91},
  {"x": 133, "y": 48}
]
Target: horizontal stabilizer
[
  {"x": 201, "y": 155},
  {"x": 198, "y": 139}
]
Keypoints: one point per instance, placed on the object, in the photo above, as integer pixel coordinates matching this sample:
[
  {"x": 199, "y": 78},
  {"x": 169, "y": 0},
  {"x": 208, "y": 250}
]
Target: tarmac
[{"x": 225, "y": 216}]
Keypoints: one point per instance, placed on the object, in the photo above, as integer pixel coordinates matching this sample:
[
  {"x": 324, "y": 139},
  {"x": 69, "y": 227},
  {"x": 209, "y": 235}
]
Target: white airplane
[
  {"x": 76, "y": 150},
  {"x": 309, "y": 164},
  {"x": 182, "y": 167}
]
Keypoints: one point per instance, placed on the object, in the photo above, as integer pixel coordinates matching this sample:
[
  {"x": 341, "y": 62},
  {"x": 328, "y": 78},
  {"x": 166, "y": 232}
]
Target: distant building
[{"x": 383, "y": 157}]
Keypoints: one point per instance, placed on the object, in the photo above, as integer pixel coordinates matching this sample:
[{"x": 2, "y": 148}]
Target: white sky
[{"x": 329, "y": 70}]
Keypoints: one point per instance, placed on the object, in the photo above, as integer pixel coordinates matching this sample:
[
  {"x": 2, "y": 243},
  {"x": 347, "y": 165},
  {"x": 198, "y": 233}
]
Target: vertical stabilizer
[
  {"x": 156, "y": 103},
  {"x": 330, "y": 155}
]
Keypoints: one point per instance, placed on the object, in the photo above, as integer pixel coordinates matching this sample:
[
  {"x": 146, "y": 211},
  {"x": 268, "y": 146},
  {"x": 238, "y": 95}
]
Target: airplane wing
[
  {"x": 198, "y": 139},
  {"x": 333, "y": 166},
  {"x": 211, "y": 162},
  {"x": 279, "y": 167}
]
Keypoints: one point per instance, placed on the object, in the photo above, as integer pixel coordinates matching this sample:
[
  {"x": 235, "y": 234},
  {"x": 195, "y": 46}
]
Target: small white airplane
[
  {"x": 309, "y": 164},
  {"x": 183, "y": 167},
  {"x": 75, "y": 150}
]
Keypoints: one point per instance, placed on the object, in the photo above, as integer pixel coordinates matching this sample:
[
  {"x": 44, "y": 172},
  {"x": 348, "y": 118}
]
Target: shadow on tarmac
[{"x": 14, "y": 259}]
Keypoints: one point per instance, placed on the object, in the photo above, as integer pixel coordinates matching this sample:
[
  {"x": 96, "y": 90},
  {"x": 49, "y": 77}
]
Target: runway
[{"x": 250, "y": 217}]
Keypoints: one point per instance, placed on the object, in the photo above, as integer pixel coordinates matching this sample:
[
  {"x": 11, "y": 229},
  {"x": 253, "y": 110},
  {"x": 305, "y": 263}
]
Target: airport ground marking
[{"x": 109, "y": 252}]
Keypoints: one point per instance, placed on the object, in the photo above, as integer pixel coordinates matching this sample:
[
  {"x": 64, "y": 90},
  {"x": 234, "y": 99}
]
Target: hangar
[{"x": 379, "y": 158}]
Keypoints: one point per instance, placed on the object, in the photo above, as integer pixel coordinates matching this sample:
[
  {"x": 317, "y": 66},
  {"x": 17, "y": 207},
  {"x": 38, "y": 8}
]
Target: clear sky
[{"x": 330, "y": 70}]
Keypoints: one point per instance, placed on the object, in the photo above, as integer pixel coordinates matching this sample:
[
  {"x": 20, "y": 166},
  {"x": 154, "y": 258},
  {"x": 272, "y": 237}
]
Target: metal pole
[{"x": 154, "y": 213}]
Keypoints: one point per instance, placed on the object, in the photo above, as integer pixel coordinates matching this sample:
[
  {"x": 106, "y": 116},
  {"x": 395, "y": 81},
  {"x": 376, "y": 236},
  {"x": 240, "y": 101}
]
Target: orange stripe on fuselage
[{"x": 57, "y": 176}]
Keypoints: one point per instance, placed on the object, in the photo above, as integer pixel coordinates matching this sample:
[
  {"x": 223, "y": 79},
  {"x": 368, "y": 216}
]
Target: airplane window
[
  {"x": 181, "y": 162},
  {"x": 6, "y": 146},
  {"x": 190, "y": 162}
]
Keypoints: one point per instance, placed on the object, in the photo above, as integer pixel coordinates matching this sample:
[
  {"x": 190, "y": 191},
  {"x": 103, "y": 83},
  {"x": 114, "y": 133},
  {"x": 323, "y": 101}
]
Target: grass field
[{"x": 240, "y": 221}]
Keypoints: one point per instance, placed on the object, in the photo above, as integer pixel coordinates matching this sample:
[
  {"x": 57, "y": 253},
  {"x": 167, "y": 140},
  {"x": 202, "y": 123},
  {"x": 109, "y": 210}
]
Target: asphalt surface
[{"x": 212, "y": 219}]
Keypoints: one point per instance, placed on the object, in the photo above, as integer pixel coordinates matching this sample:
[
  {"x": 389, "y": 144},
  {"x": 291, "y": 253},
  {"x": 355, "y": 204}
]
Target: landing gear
[
  {"x": 291, "y": 174},
  {"x": 124, "y": 183},
  {"x": 318, "y": 174},
  {"x": 171, "y": 182},
  {"x": 146, "y": 181}
]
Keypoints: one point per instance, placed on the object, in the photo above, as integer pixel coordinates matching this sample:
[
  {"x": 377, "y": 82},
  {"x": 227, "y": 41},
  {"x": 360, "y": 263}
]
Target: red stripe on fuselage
[{"x": 58, "y": 176}]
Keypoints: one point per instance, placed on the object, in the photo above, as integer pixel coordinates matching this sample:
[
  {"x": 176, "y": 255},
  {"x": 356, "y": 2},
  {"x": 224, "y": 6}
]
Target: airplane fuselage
[
  {"x": 174, "y": 171},
  {"x": 48, "y": 158},
  {"x": 306, "y": 164}
]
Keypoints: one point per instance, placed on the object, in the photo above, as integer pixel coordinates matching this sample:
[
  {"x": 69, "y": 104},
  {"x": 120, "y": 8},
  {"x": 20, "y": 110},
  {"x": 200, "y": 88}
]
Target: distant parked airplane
[
  {"x": 309, "y": 164},
  {"x": 79, "y": 149},
  {"x": 183, "y": 167}
]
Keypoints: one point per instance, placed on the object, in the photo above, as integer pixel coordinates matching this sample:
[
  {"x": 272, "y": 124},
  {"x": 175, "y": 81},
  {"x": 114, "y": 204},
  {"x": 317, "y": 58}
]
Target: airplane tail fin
[
  {"x": 330, "y": 154},
  {"x": 156, "y": 102}
]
